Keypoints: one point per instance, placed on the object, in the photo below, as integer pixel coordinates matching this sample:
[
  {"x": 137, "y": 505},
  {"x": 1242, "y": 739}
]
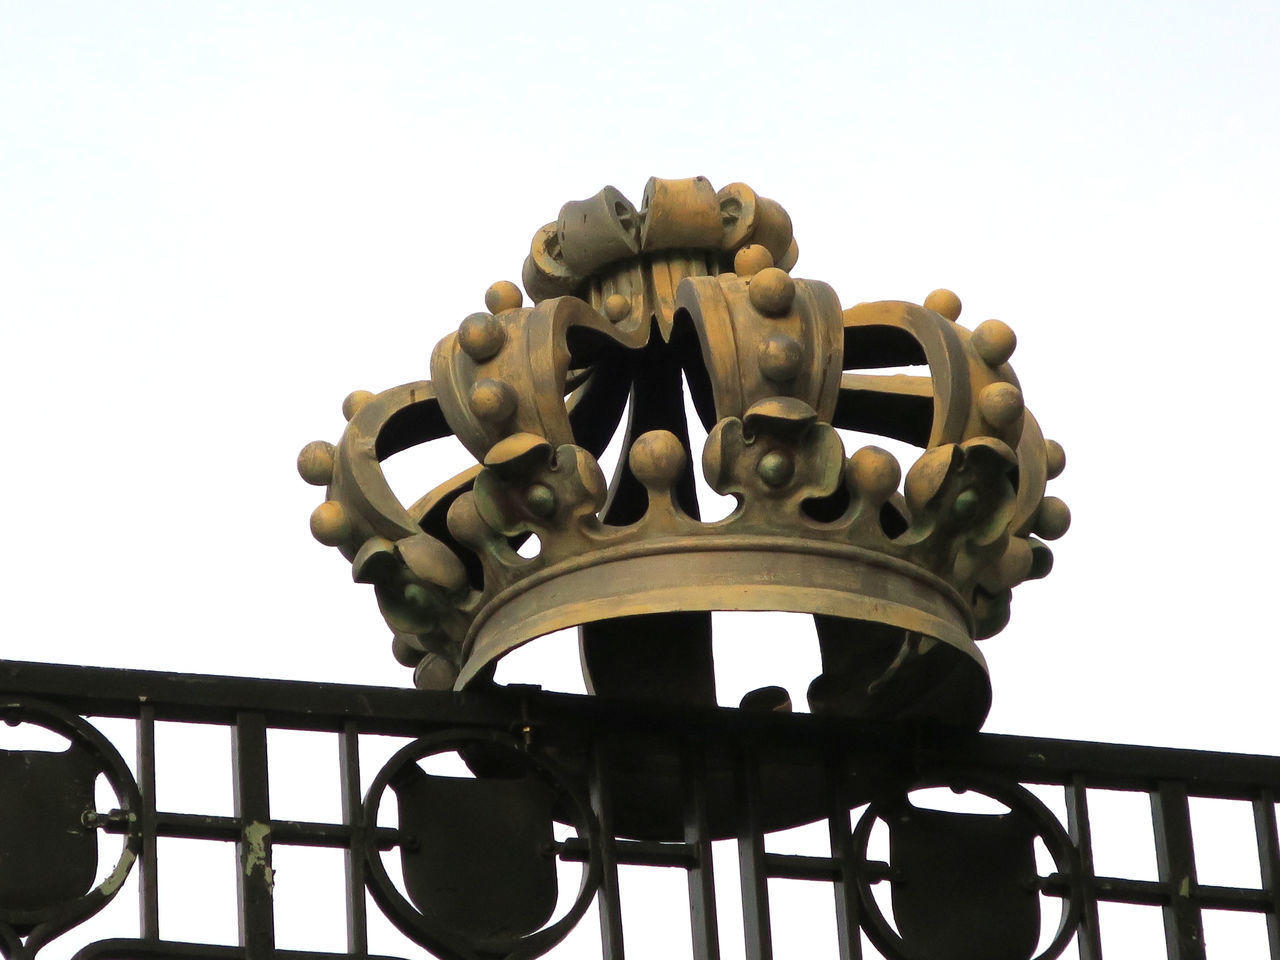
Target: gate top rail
[
  {"x": 329, "y": 707},
  {"x": 639, "y": 785}
]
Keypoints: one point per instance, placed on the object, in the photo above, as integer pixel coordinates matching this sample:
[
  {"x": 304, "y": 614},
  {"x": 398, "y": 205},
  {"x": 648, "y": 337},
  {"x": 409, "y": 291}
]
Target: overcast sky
[{"x": 218, "y": 219}]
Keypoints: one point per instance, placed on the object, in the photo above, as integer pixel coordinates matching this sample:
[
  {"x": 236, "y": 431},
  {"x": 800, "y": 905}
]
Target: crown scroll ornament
[{"x": 903, "y": 574}]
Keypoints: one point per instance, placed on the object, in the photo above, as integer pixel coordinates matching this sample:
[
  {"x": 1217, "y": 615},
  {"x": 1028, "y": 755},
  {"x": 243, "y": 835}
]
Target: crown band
[{"x": 743, "y": 573}]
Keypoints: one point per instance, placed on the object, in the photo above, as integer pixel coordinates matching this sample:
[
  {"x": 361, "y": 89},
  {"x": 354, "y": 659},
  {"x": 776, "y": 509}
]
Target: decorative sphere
[
  {"x": 776, "y": 468},
  {"x": 966, "y": 504},
  {"x": 434, "y": 672},
  {"x": 991, "y": 614},
  {"x": 617, "y": 307},
  {"x": 657, "y": 458},
  {"x": 540, "y": 499},
  {"x": 1052, "y": 519},
  {"x": 503, "y": 295},
  {"x": 315, "y": 462},
  {"x": 874, "y": 473},
  {"x": 995, "y": 342},
  {"x": 330, "y": 525},
  {"x": 1015, "y": 564},
  {"x": 789, "y": 258},
  {"x": 772, "y": 291},
  {"x": 1041, "y": 561},
  {"x": 406, "y": 649},
  {"x": 417, "y": 595},
  {"x": 751, "y": 259},
  {"x": 779, "y": 357},
  {"x": 464, "y": 521},
  {"x": 355, "y": 400},
  {"x": 493, "y": 400},
  {"x": 1000, "y": 404},
  {"x": 481, "y": 336},
  {"x": 1055, "y": 458},
  {"x": 944, "y": 302}
]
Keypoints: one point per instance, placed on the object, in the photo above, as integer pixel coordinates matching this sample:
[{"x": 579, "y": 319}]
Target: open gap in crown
[
  {"x": 754, "y": 651},
  {"x": 700, "y": 415},
  {"x": 654, "y": 376},
  {"x": 597, "y": 388},
  {"x": 551, "y": 662},
  {"x": 878, "y": 347}
]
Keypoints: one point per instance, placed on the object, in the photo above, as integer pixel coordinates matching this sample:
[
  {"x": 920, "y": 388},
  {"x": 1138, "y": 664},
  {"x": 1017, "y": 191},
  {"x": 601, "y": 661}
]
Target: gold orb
[
  {"x": 995, "y": 342},
  {"x": 540, "y": 499},
  {"x": 434, "y": 672},
  {"x": 503, "y": 295},
  {"x": 406, "y": 649},
  {"x": 355, "y": 402},
  {"x": 315, "y": 462},
  {"x": 1015, "y": 564},
  {"x": 776, "y": 468},
  {"x": 493, "y": 400},
  {"x": 617, "y": 307},
  {"x": 874, "y": 473},
  {"x": 481, "y": 336},
  {"x": 330, "y": 525},
  {"x": 751, "y": 259},
  {"x": 657, "y": 458},
  {"x": 945, "y": 302},
  {"x": 789, "y": 258},
  {"x": 772, "y": 291},
  {"x": 465, "y": 523},
  {"x": 779, "y": 357},
  {"x": 1053, "y": 519},
  {"x": 1055, "y": 458},
  {"x": 1000, "y": 404}
]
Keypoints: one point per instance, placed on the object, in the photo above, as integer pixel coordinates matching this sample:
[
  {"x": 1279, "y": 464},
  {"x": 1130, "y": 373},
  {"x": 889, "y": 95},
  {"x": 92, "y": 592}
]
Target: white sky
[{"x": 218, "y": 219}]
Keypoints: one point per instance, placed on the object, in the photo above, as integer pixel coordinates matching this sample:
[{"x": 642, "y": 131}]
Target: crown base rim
[{"x": 725, "y": 574}]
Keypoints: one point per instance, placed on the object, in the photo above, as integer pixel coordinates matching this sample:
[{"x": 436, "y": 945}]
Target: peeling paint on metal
[{"x": 255, "y": 838}]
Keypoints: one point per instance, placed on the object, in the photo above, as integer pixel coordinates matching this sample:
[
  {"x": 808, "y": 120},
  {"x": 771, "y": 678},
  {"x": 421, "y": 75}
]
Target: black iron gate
[{"x": 472, "y": 865}]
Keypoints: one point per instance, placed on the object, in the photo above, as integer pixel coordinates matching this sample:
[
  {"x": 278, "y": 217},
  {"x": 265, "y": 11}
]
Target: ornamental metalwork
[{"x": 629, "y": 306}]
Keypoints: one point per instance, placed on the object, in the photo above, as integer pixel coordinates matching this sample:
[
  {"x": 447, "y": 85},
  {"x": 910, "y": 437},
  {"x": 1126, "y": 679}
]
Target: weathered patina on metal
[{"x": 630, "y": 306}]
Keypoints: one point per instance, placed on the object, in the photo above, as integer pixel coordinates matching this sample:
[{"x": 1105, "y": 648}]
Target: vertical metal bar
[
  {"x": 1175, "y": 858},
  {"x": 751, "y": 868},
  {"x": 848, "y": 916},
  {"x": 697, "y": 833},
  {"x": 254, "y": 879},
  {"x": 353, "y": 817},
  {"x": 608, "y": 901},
  {"x": 148, "y": 881},
  {"x": 1264, "y": 820},
  {"x": 1089, "y": 938}
]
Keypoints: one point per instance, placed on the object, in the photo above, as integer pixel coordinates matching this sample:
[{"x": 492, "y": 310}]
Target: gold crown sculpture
[{"x": 630, "y": 306}]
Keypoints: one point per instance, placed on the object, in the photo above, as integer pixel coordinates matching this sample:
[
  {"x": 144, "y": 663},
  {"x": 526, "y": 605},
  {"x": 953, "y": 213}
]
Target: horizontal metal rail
[{"x": 694, "y": 746}]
